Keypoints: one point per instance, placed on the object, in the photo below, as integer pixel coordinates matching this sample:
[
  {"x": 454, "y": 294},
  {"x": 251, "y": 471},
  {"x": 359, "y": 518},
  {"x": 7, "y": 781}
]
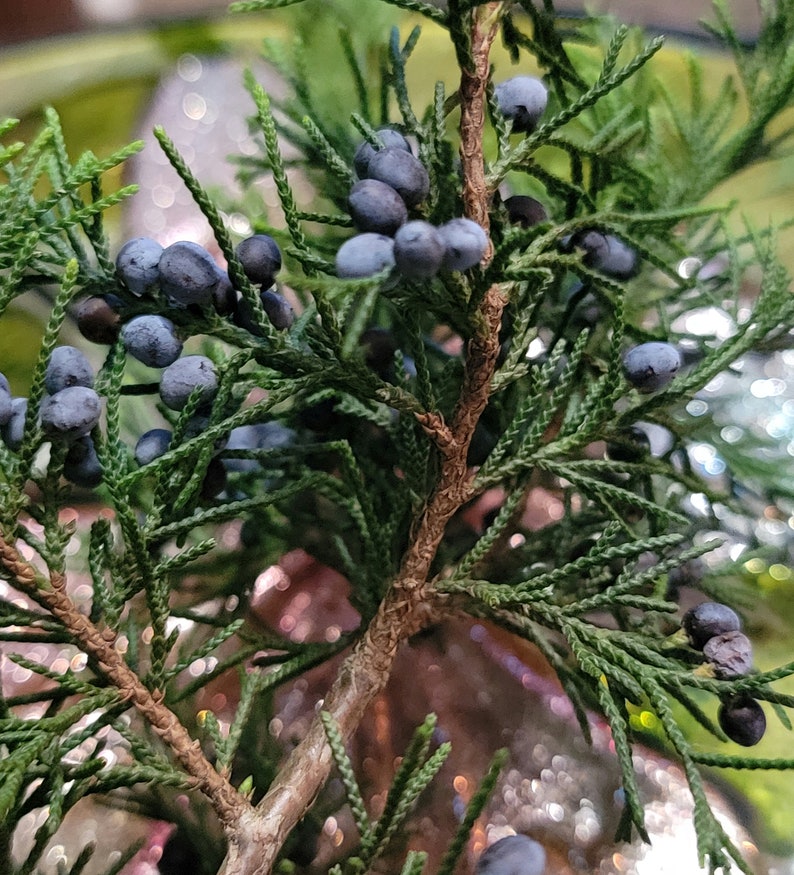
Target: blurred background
[{"x": 115, "y": 68}]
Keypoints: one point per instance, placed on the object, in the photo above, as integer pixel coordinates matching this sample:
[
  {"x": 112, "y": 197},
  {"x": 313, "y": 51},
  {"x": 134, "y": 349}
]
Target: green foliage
[{"x": 615, "y": 153}]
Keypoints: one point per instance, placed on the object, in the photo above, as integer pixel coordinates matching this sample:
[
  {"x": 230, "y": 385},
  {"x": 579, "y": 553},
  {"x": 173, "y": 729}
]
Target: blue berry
[
  {"x": 651, "y": 366},
  {"x": 82, "y": 466},
  {"x": 730, "y": 655},
  {"x": 608, "y": 254},
  {"x": 98, "y": 318},
  {"x": 261, "y": 258},
  {"x": 6, "y": 401},
  {"x": 418, "y": 250},
  {"x": 743, "y": 720},
  {"x": 513, "y": 855},
  {"x": 137, "y": 265},
  {"x": 364, "y": 255},
  {"x": 403, "y": 172},
  {"x": 151, "y": 445},
  {"x": 523, "y": 100},
  {"x": 224, "y": 295},
  {"x": 70, "y": 413},
  {"x": 67, "y": 366},
  {"x": 152, "y": 340},
  {"x": 278, "y": 309},
  {"x": 188, "y": 274},
  {"x": 258, "y": 436},
  {"x": 13, "y": 430},
  {"x": 364, "y": 153},
  {"x": 708, "y": 619},
  {"x": 376, "y": 206},
  {"x": 464, "y": 242},
  {"x": 183, "y": 376}
]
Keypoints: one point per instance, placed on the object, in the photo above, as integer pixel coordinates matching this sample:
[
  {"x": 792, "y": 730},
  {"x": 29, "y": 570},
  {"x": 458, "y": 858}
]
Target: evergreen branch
[
  {"x": 474, "y": 809},
  {"x": 345, "y": 768},
  {"x": 228, "y": 805}
]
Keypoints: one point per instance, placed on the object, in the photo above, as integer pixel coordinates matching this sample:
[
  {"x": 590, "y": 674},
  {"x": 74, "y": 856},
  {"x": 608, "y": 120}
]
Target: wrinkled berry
[
  {"x": 389, "y": 137},
  {"x": 375, "y": 206},
  {"x": 67, "y": 366},
  {"x": 151, "y": 445},
  {"x": 523, "y": 100},
  {"x": 730, "y": 654},
  {"x": 260, "y": 257},
  {"x": 183, "y": 376},
  {"x": 651, "y": 366},
  {"x": 708, "y": 619},
  {"x": 81, "y": 465},
  {"x": 98, "y": 318},
  {"x": 364, "y": 255},
  {"x": 513, "y": 855},
  {"x": 188, "y": 274},
  {"x": 152, "y": 340},
  {"x": 464, "y": 242},
  {"x": 418, "y": 250},
  {"x": 743, "y": 720},
  {"x": 403, "y": 172},
  {"x": 278, "y": 310},
  {"x": 70, "y": 413},
  {"x": 137, "y": 265}
]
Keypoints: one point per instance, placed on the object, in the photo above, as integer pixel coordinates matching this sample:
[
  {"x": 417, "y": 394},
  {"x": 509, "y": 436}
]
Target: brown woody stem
[
  {"x": 228, "y": 804},
  {"x": 410, "y": 603}
]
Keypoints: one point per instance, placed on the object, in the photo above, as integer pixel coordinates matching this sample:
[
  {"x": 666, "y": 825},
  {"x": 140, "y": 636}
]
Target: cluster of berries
[
  {"x": 68, "y": 412},
  {"x": 715, "y": 629},
  {"x": 392, "y": 181}
]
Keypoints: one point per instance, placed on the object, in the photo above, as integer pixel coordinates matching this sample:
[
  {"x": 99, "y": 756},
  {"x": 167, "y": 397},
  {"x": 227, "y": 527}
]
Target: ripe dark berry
[
  {"x": 743, "y": 720},
  {"x": 608, "y": 254},
  {"x": 188, "y": 274},
  {"x": 224, "y": 295},
  {"x": 278, "y": 309},
  {"x": 152, "y": 444},
  {"x": 13, "y": 430},
  {"x": 258, "y": 436},
  {"x": 379, "y": 346},
  {"x": 82, "y": 466},
  {"x": 523, "y": 100},
  {"x": 525, "y": 211},
  {"x": 70, "y": 413},
  {"x": 152, "y": 340},
  {"x": 364, "y": 255},
  {"x": 67, "y": 366},
  {"x": 403, "y": 172},
  {"x": 98, "y": 318},
  {"x": 464, "y": 242},
  {"x": 261, "y": 258},
  {"x": 513, "y": 855},
  {"x": 389, "y": 137},
  {"x": 418, "y": 250},
  {"x": 730, "y": 654},
  {"x": 214, "y": 479},
  {"x": 651, "y": 366},
  {"x": 708, "y": 619},
  {"x": 183, "y": 376},
  {"x": 137, "y": 265},
  {"x": 375, "y": 206},
  {"x": 631, "y": 445}
]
